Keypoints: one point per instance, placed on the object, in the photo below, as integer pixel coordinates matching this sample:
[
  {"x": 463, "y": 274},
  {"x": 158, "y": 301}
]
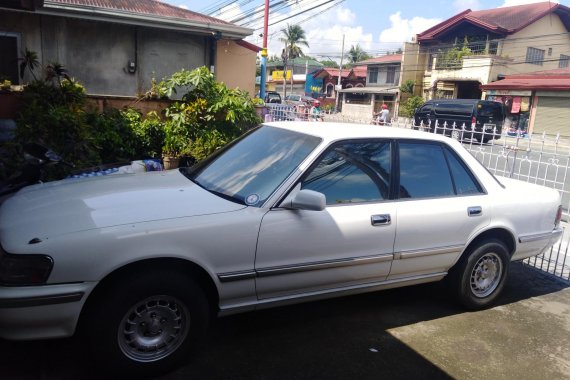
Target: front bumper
[{"x": 39, "y": 312}]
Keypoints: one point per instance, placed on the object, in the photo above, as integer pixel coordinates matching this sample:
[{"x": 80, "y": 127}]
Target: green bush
[
  {"x": 53, "y": 115},
  {"x": 409, "y": 106},
  {"x": 209, "y": 115}
]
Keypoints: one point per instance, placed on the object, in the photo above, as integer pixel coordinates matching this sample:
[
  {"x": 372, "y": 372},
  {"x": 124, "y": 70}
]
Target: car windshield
[{"x": 250, "y": 169}]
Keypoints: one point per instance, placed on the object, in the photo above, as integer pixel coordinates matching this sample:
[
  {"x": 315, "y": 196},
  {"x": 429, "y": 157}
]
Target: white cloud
[
  {"x": 510, "y": 3},
  {"x": 403, "y": 30},
  {"x": 461, "y": 5}
]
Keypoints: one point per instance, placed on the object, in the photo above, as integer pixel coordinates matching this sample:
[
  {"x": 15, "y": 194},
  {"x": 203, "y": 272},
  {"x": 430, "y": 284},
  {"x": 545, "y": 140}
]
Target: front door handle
[
  {"x": 381, "y": 219},
  {"x": 474, "y": 211}
]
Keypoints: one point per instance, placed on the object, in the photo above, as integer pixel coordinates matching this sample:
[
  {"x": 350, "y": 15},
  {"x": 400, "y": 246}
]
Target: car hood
[{"x": 55, "y": 208}]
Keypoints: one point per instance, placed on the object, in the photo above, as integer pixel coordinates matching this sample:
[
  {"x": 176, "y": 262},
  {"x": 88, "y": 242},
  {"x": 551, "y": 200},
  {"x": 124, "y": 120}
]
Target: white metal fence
[{"x": 537, "y": 158}]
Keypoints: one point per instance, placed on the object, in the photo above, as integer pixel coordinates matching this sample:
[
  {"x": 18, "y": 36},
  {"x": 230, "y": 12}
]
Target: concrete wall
[
  {"x": 555, "y": 36},
  {"x": 236, "y": 66},
  {"x": 97, "y": 53}
]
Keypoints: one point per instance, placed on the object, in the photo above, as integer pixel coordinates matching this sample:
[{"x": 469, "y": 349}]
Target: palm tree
[
  {"x": 29, "y": 61},
  {"x": 356, "y": 54},
  {"x": 293, "y": 37}
]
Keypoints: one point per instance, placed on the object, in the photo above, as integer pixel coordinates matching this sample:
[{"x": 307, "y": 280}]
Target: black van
[{"x": 484, "y": 117}]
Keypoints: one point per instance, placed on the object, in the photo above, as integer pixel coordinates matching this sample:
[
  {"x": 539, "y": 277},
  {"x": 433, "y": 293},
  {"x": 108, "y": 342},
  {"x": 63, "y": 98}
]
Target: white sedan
[{"x": 289, "y": 212}]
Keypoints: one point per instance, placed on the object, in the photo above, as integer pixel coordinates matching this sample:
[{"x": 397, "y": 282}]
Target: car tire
[
  {"x": 479, "y": 276},
  {"x": 456, "y": 134},
  {"x": 146, "y": 324}
]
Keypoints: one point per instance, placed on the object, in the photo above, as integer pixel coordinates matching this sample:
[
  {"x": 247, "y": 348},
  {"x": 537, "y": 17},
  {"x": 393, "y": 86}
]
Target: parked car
[
  {"x": 483, "y": 119},
  {"x": 272, "y": 97},
  {"x": 289, "y": 212},
  {"x": 299, "y": 100}
]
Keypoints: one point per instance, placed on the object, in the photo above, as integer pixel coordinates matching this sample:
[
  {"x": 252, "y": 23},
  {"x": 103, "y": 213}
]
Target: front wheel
[
  {"x": 146, "y": 324},
  {"x": 479, "y": 277}
]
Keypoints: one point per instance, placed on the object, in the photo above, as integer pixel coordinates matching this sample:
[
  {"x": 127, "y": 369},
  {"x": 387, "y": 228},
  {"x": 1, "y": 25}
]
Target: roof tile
[{"x": 146, "y": 7}]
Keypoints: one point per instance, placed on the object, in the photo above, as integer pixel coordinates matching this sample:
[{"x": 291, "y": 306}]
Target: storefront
[
  {"x": 518, "y": 106},
  {"x": 537, "y": 102}
]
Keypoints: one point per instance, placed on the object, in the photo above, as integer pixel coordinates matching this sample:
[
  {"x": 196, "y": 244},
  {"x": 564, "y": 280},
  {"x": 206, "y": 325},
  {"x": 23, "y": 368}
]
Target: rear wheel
[
  {"x": 146, "y": 324},
  {"x": 455, "y": 134},
  {"x": 479, "y": 277}
]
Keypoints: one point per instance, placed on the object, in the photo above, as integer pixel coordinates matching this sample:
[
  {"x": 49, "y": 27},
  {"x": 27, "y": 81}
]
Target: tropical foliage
[
  {"x": 357, "y": 54},
  {"x": 294, "y": 38}
]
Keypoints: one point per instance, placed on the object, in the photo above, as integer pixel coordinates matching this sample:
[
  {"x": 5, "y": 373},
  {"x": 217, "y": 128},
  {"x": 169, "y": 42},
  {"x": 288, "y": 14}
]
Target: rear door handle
[
  {"x": 380, "y": 219},
  {"x": 474, "y": 211}
]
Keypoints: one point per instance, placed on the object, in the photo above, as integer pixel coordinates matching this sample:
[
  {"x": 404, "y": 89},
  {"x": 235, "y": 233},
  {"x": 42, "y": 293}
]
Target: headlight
[{"x": 18, "y": 270}]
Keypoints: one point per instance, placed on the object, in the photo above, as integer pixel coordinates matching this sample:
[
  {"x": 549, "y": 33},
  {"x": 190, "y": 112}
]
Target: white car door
[
  {"x": 441, "y": 206},
  {"x": 350, "y": 243}
]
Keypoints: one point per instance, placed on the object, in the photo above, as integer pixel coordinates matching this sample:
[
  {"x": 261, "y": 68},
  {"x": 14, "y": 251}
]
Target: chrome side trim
[
  {"x": 542, "y": 236},
  {"x": 274, "y": 271},
  {"x": 427, "y": 252},
  {"x": 41, "y": 300},
  {"x": 236, "y": 276},
  {"x": 329, "y": 293},
  {"x": 287, "y": 269}
]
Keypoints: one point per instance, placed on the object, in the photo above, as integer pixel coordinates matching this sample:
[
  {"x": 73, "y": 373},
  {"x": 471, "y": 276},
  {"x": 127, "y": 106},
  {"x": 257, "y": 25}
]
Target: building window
[
  {"x": 534, "y": 56},
  {"x": 391, "y": 74},
  {"x": 9, "y": 58},
  {"x": 373, "y": 75},
  {"x": 564, "y": 60}
]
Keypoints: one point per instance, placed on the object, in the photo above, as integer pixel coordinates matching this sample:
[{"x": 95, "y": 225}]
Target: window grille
[{"x": 534, "y": 56}]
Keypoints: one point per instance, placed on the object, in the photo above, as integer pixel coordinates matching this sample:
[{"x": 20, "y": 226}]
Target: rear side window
[
  {"x": 429, "y": 170},
  {"x": 463, "y": 179},
  {"x": 459, "y": 109},
  {"x": 426, "y": 108},
  {"x": 494, "y": 110},
  {"x": 423, "y": 171}
]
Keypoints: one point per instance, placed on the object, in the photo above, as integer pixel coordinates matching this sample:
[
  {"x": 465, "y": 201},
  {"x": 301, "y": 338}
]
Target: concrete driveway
[{"x": 415, "y": 332}]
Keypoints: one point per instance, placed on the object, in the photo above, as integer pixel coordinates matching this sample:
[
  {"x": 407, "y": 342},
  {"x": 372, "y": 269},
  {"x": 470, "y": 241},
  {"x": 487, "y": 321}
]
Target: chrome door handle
[
  {"x": 474, "y": 211},
  {"x": 382, "y": 219}
]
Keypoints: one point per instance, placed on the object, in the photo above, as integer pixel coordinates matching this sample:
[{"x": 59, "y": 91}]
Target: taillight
[
  {"x": 558, "y": 216},
  {"x": 473, "y": 122}
]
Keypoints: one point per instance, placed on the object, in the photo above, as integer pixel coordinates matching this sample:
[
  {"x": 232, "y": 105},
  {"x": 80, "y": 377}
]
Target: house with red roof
[
  {"x": 116, "y": 47},
  {"x": 349, "y": 78},
  {"x": 537, "y": 102},
  {"x": 455, "y": 57},
  {"x": 381, "y": 87}
]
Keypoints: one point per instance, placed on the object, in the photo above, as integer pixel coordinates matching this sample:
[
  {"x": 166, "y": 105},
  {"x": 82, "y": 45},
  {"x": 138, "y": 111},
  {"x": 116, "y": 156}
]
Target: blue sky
[{"x": 378, "y": 26}]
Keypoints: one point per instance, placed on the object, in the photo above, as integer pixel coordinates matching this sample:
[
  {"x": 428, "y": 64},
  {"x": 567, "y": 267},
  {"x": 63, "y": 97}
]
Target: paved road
[{"x": 414, "y": 332}]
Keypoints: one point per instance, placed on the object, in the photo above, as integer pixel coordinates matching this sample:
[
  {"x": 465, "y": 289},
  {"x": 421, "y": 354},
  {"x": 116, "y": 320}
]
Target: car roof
[{"x": 340, "y": 131}]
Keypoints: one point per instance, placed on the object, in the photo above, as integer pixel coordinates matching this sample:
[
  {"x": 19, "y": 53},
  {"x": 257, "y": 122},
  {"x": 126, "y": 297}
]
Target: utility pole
[
  {"x": 339, "y": 85},
  {"x": 264, "y": 53}
]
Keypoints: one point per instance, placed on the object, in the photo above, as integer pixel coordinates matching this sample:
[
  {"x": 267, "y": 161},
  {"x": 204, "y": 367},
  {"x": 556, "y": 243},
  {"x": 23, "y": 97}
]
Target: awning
[
  {"x": 556, "y": 83},
  {"x": 370, "y": 90}
]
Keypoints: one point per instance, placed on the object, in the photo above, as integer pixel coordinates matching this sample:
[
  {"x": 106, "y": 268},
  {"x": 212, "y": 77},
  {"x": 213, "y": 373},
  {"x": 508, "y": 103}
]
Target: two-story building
[
  {"x": 382, "y": 87},
  {"x": 292, "y": 81},
  {"x": 473, "y": 48}
]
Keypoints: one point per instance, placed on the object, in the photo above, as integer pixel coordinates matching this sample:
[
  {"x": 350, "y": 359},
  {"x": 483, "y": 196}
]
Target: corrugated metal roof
[
  {"x": 144, "y": 7},
  {"x": 391, "y": 58},
  {"x": 553, "y": 80}
]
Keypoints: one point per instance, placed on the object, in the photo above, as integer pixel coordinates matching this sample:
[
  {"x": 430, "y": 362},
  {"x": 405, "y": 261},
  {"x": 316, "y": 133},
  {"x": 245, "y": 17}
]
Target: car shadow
[{"x": 342, "y": 338}]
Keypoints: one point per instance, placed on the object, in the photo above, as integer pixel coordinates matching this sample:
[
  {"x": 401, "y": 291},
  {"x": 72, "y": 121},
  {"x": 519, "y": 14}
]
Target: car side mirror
[{"x": 307, "y": 200}]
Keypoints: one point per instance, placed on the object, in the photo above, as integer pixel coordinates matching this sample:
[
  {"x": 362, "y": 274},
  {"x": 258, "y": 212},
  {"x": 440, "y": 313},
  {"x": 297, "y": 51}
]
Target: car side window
[
  {"x": 463, "y": 179},
  {"x": 352, "y": 173},
  {"x": 423, "y": 171}
]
